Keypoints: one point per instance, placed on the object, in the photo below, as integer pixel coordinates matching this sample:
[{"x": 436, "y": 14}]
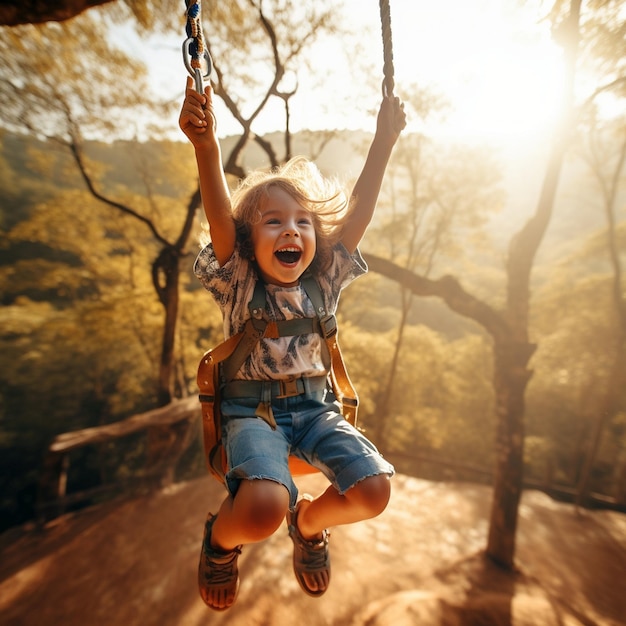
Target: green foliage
[
  {"x": 436, "y": 202},
  {"x": 442, "y": 399},
  {"x": 576, "y": 325},
  {"x": 81, "y": 324},
  {"x": 81, "y": 329}
]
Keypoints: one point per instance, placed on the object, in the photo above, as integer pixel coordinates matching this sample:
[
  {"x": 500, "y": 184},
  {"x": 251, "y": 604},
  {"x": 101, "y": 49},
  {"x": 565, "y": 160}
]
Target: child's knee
[
  {"x": 264, "y": 504},
  {"x": 373, "y": 494}
]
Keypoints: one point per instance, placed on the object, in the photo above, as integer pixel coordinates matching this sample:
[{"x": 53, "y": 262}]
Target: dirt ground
[{"x": 134, "y": 563}]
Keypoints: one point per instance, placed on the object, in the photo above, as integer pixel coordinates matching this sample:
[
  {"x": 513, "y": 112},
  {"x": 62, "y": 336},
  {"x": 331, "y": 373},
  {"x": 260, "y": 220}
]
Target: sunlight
[
  {"x": 511, "y": 93},
  {"x": 494, "y": 61}
]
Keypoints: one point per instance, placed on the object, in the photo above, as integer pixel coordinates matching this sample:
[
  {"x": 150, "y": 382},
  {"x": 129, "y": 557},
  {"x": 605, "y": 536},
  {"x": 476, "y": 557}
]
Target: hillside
[{"x": 134, "y": 562}]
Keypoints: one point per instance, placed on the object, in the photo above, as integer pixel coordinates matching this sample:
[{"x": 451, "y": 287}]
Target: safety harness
[{"x": 219, "y": 366}]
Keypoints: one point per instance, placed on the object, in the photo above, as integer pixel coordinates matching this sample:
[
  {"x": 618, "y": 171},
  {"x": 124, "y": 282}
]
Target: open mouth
[{"x": 289, "y": 255}]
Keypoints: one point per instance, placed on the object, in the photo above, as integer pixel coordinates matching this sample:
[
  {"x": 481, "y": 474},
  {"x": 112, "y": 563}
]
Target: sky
[{"x": 492, "y": 59}]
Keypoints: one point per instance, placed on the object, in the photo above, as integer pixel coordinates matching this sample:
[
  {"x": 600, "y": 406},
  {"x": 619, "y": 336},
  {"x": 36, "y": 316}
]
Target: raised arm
[
  {"x": 197, "y": 121},
  {"x": 390, "y": 122}
]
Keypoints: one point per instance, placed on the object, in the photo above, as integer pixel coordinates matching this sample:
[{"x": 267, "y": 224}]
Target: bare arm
[
  {"x": 391, "y": 120},
  {"x": 197, "y": 121}
]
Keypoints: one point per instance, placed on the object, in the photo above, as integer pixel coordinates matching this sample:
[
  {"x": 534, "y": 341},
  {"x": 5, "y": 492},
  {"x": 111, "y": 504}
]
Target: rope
[
  {"x": 195, "y": 54},
  {"x": 385, "y": 22}
]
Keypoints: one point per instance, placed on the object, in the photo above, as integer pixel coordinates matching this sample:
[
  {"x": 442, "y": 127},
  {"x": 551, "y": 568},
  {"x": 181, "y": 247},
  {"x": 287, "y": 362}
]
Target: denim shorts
[{"x": 310, "y": 427}]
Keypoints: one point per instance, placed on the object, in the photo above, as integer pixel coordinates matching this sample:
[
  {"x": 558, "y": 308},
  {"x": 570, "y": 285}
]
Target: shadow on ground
[{"x": 421, "y": 562}]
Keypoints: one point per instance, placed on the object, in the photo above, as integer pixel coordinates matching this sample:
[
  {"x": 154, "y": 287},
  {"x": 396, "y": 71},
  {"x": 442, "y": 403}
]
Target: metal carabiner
[{"x": 196, "y": 72}]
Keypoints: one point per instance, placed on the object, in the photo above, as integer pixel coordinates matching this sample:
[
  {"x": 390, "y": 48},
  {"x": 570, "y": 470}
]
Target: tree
[
  {"x": 57, "y": 57},
  {"x": 605, "y": 153},
  {"x": 509, "y": 327},
  {"x": 14, "y": 13},
  {"x": 56, "y": 101},
  {"x": 280, "y": 36},
  {"x": 574, "y": 318}
]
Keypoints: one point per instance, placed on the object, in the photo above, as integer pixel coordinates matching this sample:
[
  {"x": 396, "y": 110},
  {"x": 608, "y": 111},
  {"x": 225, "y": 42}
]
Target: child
[{"x": 276, "y": 226}]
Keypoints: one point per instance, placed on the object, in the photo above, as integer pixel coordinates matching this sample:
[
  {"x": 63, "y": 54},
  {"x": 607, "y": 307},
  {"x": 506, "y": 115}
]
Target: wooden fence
[{"x": 168, "y": 431}]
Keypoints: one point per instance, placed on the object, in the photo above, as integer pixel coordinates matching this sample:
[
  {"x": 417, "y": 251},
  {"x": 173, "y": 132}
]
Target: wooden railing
[
  {"x": 417, "y": 464},
  {"x": 169, "y": 430}
]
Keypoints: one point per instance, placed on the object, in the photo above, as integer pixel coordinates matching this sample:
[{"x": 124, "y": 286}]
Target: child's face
[{"x": 284, "y": 239}]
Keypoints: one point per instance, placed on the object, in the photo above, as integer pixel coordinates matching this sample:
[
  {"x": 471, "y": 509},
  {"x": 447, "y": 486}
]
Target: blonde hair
[{"x": 324, "y": 198}]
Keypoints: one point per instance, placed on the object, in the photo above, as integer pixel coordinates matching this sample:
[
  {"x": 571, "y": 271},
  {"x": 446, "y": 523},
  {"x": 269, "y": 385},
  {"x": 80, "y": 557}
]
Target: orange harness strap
[{"x": 220, "y": 364}]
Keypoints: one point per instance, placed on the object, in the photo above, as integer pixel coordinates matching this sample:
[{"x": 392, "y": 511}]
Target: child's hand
[
  {"x": 391, "y": 119},
  {"x": 197, "y": 119}
]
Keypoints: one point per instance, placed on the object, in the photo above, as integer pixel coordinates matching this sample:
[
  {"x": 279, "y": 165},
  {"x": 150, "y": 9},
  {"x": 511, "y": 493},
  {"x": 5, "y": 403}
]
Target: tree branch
[
  {"x": 448, "y": 289},
  {"x": 15, "y": 12},
  {"x": 74, "y": 148}
]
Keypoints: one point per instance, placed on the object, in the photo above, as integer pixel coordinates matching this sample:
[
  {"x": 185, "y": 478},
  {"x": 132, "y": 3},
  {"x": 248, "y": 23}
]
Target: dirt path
[{"x": 134, "y": 563}]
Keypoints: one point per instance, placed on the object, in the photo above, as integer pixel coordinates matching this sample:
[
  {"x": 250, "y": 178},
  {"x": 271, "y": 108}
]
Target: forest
[{"x": 489, "y": 335}]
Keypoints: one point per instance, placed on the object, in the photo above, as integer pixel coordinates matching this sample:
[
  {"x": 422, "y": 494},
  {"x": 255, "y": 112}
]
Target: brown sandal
[
  {"x": 217, "y": 571},
  {"x": 309, "y": 557}
]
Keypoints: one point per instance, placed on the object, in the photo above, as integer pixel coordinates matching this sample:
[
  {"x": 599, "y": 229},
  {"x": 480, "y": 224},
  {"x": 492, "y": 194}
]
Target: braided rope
[
  {"x": 388, "y": 71},
  {"x": 194, "y": 31},
  {"x": 195, "y": 52}
]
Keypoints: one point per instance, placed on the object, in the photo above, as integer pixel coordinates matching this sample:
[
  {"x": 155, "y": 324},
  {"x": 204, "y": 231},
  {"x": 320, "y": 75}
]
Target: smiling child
[{"x": 276, "y": 226}]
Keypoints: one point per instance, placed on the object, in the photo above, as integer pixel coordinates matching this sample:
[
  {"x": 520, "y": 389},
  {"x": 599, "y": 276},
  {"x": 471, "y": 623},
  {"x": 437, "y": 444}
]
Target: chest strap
[{"x": 259, "y": 326}]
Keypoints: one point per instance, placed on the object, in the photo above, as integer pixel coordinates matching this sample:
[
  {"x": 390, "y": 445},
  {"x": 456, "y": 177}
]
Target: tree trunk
[
  {"x": 512, "y": 356},
  {"x": 511, "y": 377},
  {"x": 165, "y": 276},
  {"x": 509, "y": 328}
]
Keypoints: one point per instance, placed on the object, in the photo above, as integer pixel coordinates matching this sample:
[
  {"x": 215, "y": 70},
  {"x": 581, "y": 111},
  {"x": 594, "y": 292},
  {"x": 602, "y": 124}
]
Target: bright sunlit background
[{"x": 493, "y": 60}]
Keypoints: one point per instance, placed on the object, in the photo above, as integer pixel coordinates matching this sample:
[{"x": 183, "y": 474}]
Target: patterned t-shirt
[{"x": 232, "y": 286}]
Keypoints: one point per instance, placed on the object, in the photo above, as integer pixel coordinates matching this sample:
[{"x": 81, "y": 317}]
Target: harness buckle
[
  {"x": 328, "y": 326},
  {"x": 289, "y": 387}
]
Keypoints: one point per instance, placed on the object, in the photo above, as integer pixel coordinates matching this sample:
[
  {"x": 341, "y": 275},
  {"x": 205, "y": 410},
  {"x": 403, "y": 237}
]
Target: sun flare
[
  {"x": 495, "y": 64},
  {"x": 492, "y": 60}
]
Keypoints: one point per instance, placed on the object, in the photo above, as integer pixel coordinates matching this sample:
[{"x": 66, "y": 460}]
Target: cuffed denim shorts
[{"x": 310, "y": 427}]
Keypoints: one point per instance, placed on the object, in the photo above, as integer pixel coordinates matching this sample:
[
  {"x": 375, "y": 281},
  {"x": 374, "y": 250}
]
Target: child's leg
[
  {"x": 255, "y": 513},
  {"x": 360, "y": 488},
  {"x": 368, "y": 498}
]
